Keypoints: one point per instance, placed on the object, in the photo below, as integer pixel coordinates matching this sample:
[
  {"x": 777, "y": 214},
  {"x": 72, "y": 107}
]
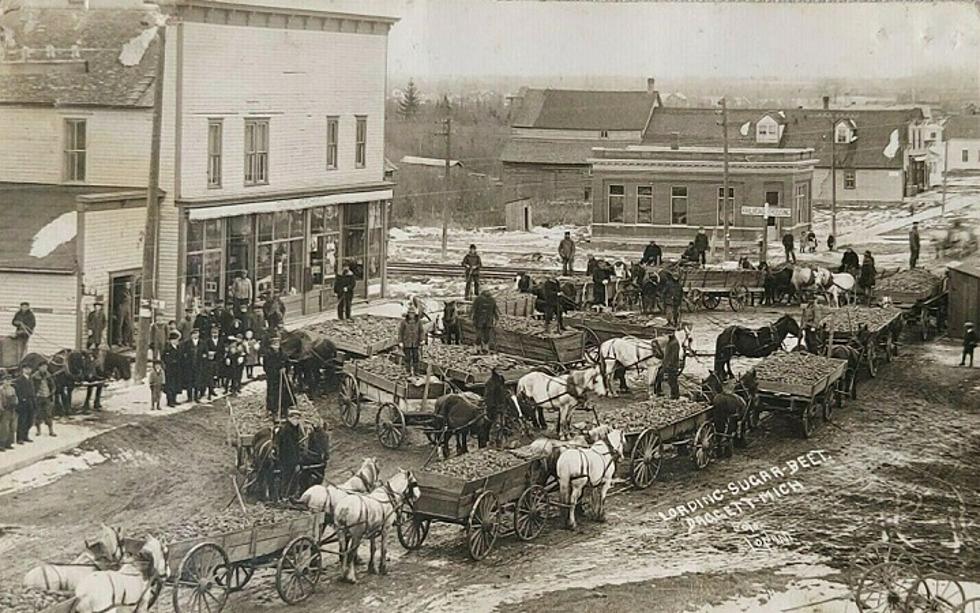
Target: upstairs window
[
  {"x": 843, "y": 133},
  {"x": 767, "y": 130},
  {"x": 75, "y": 144},
  {"x": 617, "y": 203},
  {"x": 333, "y": 133},
  {"x": 644, "y": 204},
  {"x": 965, "y": 155},
  {"x": 721, "y": 206},
  {"x": 678, "y": 205},
  {"x": 360, "y": 147},
  {"x": 256, "y": 151},
  {"x": 214, "y": 152},
  {"x": 850, "y": 179}
]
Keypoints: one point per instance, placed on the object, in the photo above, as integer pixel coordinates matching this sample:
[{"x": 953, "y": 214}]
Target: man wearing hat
[
  {"x": 471, "y": 267},
  {"x": 185, "y": 325},
  {"x": 8, "y": 412},
  {"x": 204, "y": 321},
  {"x": 124, "y": 316},
  {"x": 95, "y": 324},
  {"x": 171, "y": 367},
  {"x": 214, "y": 356},
  {"x": 411, "y": 335},
  {"x": 278, "y": 395},
  {"x": 343, "y": 287},
  {"x": 970, "y": 339},
  {"x": 192, "y": 363},
  {"x": 26, "y": 404},
  {"x": 24, "y": 324}
]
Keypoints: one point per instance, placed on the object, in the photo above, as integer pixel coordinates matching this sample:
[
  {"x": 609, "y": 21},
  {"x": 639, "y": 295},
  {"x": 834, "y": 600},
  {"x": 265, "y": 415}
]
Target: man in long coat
[
  {"x": 192, "y": 364},
  {"x": 173, "y": 377},
  {"x": 26, "y": 404},
  {"x": 278, "y": 394},
  {"x": 485, "y": 315},
  {"x": 95, "y": 323},
  {"x": 566, "y": 251}
]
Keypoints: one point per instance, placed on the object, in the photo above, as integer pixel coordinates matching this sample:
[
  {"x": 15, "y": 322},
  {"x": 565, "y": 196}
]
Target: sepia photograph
[{"x": 485, "y": 306}]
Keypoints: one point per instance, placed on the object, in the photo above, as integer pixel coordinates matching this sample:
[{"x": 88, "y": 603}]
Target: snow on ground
[
  {"x": 49, "y": 470},
  {"x": 59, "y": 231}
]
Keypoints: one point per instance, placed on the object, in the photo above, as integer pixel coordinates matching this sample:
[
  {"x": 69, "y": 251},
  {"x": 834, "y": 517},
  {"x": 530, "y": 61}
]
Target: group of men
[{"x": 25, "y": 402}]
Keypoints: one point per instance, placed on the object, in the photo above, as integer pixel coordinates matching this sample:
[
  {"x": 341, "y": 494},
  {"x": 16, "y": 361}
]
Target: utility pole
[
  {"x": 148, "y": 291},
  {"x": 833, "y": 175},
  {"x": 945, "y": 168},
  {"x": 445, "y": 203},
  {"x": 724, "y": 189}
]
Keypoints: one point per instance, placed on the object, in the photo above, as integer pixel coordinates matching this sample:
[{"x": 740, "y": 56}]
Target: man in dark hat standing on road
[
  {"x": 26, "y": 404},
  {"x": 95, "y": 324},
  {"x": 171, "y": 368},
  {"x": 471, "y": 269},
  {"x": 192, "y": 366},
  {"x": 278, "y": 395}
]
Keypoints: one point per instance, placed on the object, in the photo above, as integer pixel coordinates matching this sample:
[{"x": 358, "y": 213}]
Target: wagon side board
[{"x": 451, "y": 499}]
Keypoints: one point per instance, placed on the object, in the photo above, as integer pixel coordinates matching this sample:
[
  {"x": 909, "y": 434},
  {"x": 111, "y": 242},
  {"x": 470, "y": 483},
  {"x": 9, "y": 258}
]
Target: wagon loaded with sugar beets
[
  {"x": 527, "y": 338},
  {"x": 801, "y": 385},
  {"x": 402, "y": 400},
  {"x": 606, "y": 326},
  {"x": 491, "y": 493},
  {"x": 467, "y": 368},
  {"x": 872, "y": 331},
  {"x": 361, "y": 336},
  {"x": 922, "y": 297},
  {"x": 248, "y": 414},
  {"x": 685, "y": 426}
]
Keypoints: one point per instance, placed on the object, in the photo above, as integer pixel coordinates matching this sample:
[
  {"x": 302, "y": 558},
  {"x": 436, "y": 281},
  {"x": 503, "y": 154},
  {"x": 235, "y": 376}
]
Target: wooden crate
[{"x": 451, "y": 498}]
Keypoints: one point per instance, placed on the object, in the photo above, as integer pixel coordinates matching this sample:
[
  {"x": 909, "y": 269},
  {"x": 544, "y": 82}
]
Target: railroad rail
[{"x": 429, "y": 269}]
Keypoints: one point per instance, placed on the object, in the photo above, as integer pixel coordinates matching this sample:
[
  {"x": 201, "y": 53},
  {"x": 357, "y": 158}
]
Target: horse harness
[
  {"x": 610, "y": 462},
  {"x": 114, "y": 603}
]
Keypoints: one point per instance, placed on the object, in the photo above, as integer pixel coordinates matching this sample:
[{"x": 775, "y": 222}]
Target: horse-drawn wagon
[
  {"x": 802, "y": 385},
  {"x": 360, "y": 336},
  {"x": 491, "y": 493},
  {"x": 921, "y": 295},
  {"x": 465, "y": 366},
  {"x": 872, "y": 331},
  {"x": 401, "y": 399},
  {"x": 614, "y": 325},
  {"x": 528, "y": 339},
  {"x": 707, "y": 287},
  {"x": 684, "y": 425},
  {"x": 248, "y": 414}
]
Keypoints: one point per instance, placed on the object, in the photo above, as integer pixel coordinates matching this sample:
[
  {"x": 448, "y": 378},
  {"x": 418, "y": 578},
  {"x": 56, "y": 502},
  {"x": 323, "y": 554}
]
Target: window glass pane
[
  {"x": 296, "y": 265},
  {"x": 617, "y": 190},
  {"x": 374, "y": 266},
  {"x": 263, "y": 269},
  {"x": 194, "y": 273},
  {"x": 644, "y": 204},
  {"x": 355, "y": 214},
  {"x": 212, "y": 234},
  {"x": 297, "y": 224},
  {"x": 195, "y": 236},
  {"x": 317, "y": 220},
  {"x": 281, "y": 224},
  {"x": 80, "y": 134},
  {"x": 280, "y": 267},
  {"x": 265, "y": 227},
  {"x": 79, "y": 166},
  {"x": 212, "y": 277}
]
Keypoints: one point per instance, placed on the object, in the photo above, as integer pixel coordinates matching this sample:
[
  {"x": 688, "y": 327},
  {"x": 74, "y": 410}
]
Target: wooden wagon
[
  {"x": 707, "y": 287},
  {"x": 350, "y": 345},
  {"x": 614, "y": 325},
  {"x": 924, "y": 304},
  {"x": 468, "y": 376},
  {"x": 400, "y": 404},
  {"x": 807, "y": 402},
  {"x": 876, "y": 341},
  {"x": 561, "y": 351},
  {"x": 509, "y": 501}
]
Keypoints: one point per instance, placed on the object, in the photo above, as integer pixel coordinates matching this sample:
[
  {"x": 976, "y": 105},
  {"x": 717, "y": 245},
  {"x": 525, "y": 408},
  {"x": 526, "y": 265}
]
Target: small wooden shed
[
  {"x": 518, "y": 215},
  {"x": 964, "y": 296}
]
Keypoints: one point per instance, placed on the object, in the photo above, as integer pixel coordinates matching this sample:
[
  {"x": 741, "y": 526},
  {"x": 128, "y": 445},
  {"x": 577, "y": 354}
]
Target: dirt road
[{"x": 902, "y": 461}]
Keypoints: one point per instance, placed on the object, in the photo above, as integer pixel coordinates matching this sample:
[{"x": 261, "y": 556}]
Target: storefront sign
[{"x": 293, "y": 204}]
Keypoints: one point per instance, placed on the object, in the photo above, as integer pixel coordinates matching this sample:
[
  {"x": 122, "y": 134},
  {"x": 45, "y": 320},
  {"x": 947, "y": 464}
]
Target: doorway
[
  {"x": 123, "y": 307},
  {"x": 772, "y": 199}
]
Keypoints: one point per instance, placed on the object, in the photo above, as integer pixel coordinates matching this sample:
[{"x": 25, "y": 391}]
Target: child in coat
[{"x": 156, "y": 379}]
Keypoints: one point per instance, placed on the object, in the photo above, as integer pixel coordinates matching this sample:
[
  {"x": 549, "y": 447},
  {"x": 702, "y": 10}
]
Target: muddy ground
[{"x": 899, "y": 463}]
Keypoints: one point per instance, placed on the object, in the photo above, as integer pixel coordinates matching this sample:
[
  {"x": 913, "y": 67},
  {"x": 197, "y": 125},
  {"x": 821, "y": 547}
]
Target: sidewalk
[{"x": 70, "y": 435}]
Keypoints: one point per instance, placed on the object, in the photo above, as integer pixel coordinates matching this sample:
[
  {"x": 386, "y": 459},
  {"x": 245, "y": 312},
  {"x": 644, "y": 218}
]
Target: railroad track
[{"x": 428, "y": 269}]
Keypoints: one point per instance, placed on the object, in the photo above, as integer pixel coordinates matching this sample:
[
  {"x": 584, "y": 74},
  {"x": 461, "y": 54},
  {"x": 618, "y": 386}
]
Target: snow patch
[
  {"x": 48, "y": 471},
  {"x": 892, "y": 147},
  {"x": 134, "y": 49},
  {"x": 53, "y": 235},
  {"x": 744, "y": 130}
]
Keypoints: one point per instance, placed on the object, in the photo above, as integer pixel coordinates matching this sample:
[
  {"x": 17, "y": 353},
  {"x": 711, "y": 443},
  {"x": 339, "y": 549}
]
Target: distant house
[
  {"x": 413, "y": 160},
  {"x": 962, "y": 133},
  {"x": 877, "y": 160},
  {"x": 553, "y": 132}
]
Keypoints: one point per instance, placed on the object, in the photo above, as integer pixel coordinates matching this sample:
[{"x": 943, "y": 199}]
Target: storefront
[{"x": 293, "y": 248}]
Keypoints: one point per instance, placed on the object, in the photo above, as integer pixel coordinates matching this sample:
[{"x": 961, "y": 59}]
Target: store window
[
  {"x": 280, "y": 255},
  {"x": 616, "y": 202},
  {"x": 375, "y": 239},
  {"x": 355, "y": 217},
  {"x": 239, "y": 248},
  {"x": 324, "y": 242},
  {"x": 203, "y": 269},
  {"x": 678, "y": 205}
]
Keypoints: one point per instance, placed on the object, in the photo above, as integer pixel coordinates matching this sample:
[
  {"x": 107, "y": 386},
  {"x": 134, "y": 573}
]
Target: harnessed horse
[{"x": 593, "y": 467}]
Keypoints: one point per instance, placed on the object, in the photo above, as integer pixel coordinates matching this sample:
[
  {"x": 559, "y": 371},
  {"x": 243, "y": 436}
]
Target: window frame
[
  {"x": 770, "y": 133},
  {"x": 720, "y": 203},
  {"x": 685, "y": 198},
  {"x": 258, "y": 158},
  {"x": 360, "y": 141},
  {"x": 964, "y": 155},
  {"x": 621, "y": 197},
  {"x": 842, "y": 128},
  {"x": 649, "y": 197},
  {"x": 215, "y": 152},
  {"x": 850, "y": 179},
  {"x": 333, "y": 122},
  {"x": 72, "y": 170}
]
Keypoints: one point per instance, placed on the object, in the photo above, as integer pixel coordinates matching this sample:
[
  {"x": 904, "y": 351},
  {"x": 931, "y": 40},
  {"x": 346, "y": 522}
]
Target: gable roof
[
  {"x": 95, "y": 78},
  {"x": 803, "y": 128},
  {"x": 962, "y": 126},
  {"x": 566, "y": 109}
]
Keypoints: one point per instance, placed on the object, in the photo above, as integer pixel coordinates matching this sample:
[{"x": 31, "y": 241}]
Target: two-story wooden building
[{"x": 271, "y": 156}]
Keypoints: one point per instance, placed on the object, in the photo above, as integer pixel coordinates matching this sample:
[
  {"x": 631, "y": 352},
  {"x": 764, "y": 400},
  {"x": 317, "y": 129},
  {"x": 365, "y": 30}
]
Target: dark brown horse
[
  {"x": 312, "y": 359},
  {"x": 751, "y": 343},
  {"x": 462, "y": 416},
  {"x": 286, "y": 460}
]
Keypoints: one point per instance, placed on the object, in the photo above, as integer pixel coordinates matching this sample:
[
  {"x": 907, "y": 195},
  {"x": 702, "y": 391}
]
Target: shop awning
[{"x": 292, "y": 204}]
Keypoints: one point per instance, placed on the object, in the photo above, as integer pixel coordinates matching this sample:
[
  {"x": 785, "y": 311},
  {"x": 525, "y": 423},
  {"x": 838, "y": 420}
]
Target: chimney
[
  {"x": 675, "y": 140},
  {"x": 650, "y": 85},
  {"x": 826, "y": 103}
]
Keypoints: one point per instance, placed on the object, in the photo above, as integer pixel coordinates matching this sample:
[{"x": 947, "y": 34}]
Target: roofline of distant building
[
  {"x": 39, "y": 271},
  {"x": 259, "y": 8},
  {"x": 76, "y": 105}
]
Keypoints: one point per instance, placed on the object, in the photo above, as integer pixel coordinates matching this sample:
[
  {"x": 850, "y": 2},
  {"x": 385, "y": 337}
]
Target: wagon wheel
[
  {"x": 298, "y": 570},
  {"x": 710, "y": 301},
  {"x": 389, "y": 423},
  {"x": 196, "y": 588},
  {"x": 808, "y": 418},
  {"x": 924, "y": 323},
  {"x": 873, "y": 554},
  {"x": 703, "y": 445},
  {"x": 885, "y": 587},
  {"x": 591, "y": 346},
  {"x": 646, "y": 459},
  {"x": 738, "y": 297},
  {"x": 529, "y": 513},
  {"x": 411, "y": 528},
  {"x": 871, "y": 355},
  {"x": 692, "y": 300},
  {"x": 970, "y": 606},
  {"x": 350, "y": 401},
  {"x": 236, "y": 578},
  {"x": 481, "y": 529},
  {"x": 828, "y": 403},
  {"x": 936, "y": 593}
]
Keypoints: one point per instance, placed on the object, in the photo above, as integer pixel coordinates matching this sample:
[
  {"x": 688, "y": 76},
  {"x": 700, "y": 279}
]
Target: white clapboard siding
[{"x": 52, "y": 298}]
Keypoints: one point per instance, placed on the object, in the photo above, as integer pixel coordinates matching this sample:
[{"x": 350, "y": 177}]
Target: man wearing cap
[
  {"x": 26, "y": 404},
  {"x": 192, "y": 365},
  {"x": 970, "y": 339},
  {"x": 24, "y": 324},
  {"x": 701, "y": 245},
  {"x": 8, "y": 412},
  {"x": 241, "y": 290},
  {"x": 343, "y": 287},
  {"x": 278, "y": 397},
  {"x": 411, "y": 334},
  {"x": 471, "y": 267},
  {"x": 171, "y": 368},
  {"x": 95, "y": 324}
]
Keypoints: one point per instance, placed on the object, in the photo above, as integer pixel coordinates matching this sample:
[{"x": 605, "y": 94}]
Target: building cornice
[
  {"x": 247, "y": 15},
  {"x": 209, "y": 201},
  {"x": 702, "y": 166}
]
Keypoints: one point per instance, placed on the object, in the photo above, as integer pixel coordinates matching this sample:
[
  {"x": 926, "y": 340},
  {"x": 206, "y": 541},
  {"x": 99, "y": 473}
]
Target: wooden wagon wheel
[
  {"x": 703, "y": 445},
  {"x": 646, "y": 458},
  {"x": 591, "y": 346},
  {"x": 350, "y": 401},
  {"x": 196, "y": 585},
  {"x": 936, "y": 593},
  {"x": 970, "y": 606},
  {"x": 389, "y": 424},
  {"x": 828, "y": 402},
  {"x": 885, "y": 588},
  {"x": 236, "y": 578},
  {"x": 482, "y": 526},
  {"x": 808, "y": 418},
  {"x": 530, "y": 513},
  {"x": 873, "y": 554},
  {"x": 710, "y": 301},
  {"x": 693, "y": 298},
  {"x": 871, "y": 356},
  {"x": 298, "y": 570},
  {"x": 412, "y": 529},
  {"x": 738, "y": 297}
]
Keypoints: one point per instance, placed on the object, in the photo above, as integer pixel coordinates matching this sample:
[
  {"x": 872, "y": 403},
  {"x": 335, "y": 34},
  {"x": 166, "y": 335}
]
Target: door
[
  {"x": 772, "y": 199},
  {"x": 123, "y": 307}
]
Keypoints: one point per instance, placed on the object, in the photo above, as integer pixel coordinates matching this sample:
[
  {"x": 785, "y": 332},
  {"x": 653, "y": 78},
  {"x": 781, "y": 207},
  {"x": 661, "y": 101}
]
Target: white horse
[
  {"x": 128, "y": 588},
  {"x": 372, "y": 516},
  {"x": 324, "y": 498},
  {"x": 562, "y": 393},
  {"x": 103, "y": 553},
  {"x": 594, "y": 467},
  {"x": 841, "y": 286},
  {"x": 629, "y": 353}
]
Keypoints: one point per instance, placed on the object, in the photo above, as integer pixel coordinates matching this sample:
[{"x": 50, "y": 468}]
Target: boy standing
[
  {"x": 970, "y": 340},
  {"x": 156, "y": 379}
]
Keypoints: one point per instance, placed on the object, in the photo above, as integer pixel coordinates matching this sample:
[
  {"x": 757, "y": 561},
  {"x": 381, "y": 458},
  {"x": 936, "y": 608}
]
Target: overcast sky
[{"x": 443, "y": 38}]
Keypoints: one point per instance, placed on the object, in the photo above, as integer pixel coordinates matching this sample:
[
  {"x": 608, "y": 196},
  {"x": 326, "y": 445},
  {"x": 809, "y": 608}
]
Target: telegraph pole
[
  {"x": 724, "y": 189},
  {"x": 148, "y": 291},
  {"x": 833, "y": 175},
  {"x": 945, "y": 168},
  {"x": 445, "y": 203}
]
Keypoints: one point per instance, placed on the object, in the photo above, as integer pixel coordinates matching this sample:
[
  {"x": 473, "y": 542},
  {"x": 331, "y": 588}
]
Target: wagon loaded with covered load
[
  {"x": 491, "y": 493},
  {"x": 527, "y": 338},
  {"x": 872, "y": 331},
  {"x": 802, "y": 385},
  {"x": 921, "y": 295}
]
